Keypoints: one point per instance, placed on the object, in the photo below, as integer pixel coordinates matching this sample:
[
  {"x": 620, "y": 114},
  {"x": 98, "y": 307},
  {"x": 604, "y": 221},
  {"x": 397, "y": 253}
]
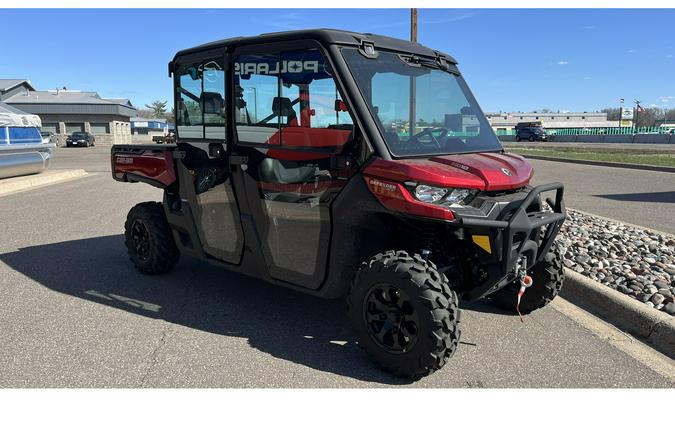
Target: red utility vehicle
[{"x": 347, "y": 164}]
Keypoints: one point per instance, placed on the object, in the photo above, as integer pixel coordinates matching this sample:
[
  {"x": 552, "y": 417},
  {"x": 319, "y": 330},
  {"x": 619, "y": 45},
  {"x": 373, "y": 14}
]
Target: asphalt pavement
[
  {"x": 641, "y": 197},
  {"x": 75, "y": 313}
]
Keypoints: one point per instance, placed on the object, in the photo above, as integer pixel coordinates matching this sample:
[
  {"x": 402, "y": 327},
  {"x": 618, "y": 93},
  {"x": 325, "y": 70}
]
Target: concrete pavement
[{"x": 74, "y": 312}]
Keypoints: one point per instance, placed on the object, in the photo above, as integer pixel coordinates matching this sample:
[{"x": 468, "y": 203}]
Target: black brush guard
[{"x": 513, "y": 236}]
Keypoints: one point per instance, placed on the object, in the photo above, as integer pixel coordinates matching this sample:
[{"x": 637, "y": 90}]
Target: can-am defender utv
[{"x": 346, "y": 164}]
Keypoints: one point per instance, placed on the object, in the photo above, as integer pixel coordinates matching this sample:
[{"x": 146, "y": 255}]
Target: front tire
[
  {"x": 404, "y": 314},
  {"x": 548, "y": 275},
  {"x": 149, "y": 240}
]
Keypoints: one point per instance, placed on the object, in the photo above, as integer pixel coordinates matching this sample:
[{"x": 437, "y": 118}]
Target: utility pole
[
  {"x": 637, "y": 114},
  {"x": 413, "y": 25},
  {"x": 413, "y": 38}
]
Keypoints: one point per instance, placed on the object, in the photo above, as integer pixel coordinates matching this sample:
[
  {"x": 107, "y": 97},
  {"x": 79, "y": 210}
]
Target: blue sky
[{"x": 514, "y": 60}]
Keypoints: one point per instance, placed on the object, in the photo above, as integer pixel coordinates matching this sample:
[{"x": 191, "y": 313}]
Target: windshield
[
  {"x": 421, "y": 109},
  {"x": 78, "y": 135}
]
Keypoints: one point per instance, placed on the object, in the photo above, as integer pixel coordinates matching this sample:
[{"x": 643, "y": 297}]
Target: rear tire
[
  {"x": 517, "y": 138},
  {"x": 404, "y": 314},
  {"x": 149, "y": 240},
  {"x": 531, "y": 138},
  {"x": 548, "y": 275}
]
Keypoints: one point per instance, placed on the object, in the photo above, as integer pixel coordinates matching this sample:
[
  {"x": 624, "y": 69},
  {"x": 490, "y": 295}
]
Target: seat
[{"x": 286, "y": 172}]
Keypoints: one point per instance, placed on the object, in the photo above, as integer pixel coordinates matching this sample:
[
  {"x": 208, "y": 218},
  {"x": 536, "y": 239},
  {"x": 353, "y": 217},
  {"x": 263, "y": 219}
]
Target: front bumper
[{"x": 508, "y": 232}]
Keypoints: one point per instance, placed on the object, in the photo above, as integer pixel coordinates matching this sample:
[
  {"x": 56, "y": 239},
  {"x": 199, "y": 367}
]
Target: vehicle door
[
  {"x": 295, "y": 140},
  {"x": 204, "y": 172}
]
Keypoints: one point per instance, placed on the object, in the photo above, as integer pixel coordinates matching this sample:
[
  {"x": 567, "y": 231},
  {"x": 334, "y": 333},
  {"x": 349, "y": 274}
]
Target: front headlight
[
  {"x": 429, "y": 194},
  {"x": 441, "y": 196}
]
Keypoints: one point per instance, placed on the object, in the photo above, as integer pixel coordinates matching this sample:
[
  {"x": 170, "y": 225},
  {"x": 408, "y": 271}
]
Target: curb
[
  {"x": 650, "y": 325},
  {"x": 20, "y": 183},
  {"x": 603, "y": 163}
]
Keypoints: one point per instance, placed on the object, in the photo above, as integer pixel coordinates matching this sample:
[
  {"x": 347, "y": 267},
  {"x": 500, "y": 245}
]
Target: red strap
[
  {"x": 524, "y": 284},
  {"x": 520, "y": 294}
]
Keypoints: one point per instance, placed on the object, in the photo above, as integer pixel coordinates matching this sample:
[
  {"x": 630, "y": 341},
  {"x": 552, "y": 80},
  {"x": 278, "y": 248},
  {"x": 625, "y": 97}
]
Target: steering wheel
[{"x": 429, "y": 131}]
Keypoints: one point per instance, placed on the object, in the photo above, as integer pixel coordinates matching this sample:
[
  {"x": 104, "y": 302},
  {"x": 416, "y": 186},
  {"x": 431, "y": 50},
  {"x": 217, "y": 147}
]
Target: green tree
[{"x": 158, "y": 108}]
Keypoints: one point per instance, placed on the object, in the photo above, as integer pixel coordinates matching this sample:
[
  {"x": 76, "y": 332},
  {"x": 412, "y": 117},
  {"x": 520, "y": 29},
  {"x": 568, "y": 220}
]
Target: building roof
[
  {"x": 6, "y": 108},
  {"x": 7, "y": 84},
  {"x": 120, "y": 101},
  {"x": 70, "y": 102},
  {"x": 57, "y": 97}
]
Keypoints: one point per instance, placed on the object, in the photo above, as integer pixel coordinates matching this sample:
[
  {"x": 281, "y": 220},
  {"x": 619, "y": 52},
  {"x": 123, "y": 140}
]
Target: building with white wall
[{"x": 551, "y": 120}]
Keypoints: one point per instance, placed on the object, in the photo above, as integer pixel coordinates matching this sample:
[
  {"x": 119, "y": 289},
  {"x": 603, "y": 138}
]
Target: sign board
[
  {"x": 626, "y": 113},
  {"x": 625, "y": 123}
]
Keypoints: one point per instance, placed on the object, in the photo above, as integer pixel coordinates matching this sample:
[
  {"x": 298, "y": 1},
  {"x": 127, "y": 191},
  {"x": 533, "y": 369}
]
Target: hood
[{"x": 484, "y": 171}]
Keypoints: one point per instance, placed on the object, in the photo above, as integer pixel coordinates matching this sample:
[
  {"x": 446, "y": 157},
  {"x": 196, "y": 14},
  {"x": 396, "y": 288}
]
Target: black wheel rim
[
  {"x": 391, "y": 318},
  {"x": 141, "y": 239}
]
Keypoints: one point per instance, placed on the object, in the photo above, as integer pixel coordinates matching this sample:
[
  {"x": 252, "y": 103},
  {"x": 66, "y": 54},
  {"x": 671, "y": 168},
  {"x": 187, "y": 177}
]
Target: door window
[
  {"x": 200, "y": 100},
  {"x": 289, "y": 100}
]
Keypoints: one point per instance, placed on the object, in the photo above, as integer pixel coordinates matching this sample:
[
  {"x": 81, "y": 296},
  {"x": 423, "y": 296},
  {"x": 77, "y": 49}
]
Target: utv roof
[{"x": 324, "y": 36}]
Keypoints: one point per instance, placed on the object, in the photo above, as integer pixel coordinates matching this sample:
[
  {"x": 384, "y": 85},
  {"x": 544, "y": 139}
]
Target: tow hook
[{"x": 525, "y": 282}]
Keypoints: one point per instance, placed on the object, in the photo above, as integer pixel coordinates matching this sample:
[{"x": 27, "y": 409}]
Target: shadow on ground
[
  {"x": 662, "y": 197},
  {"x": 284, "y": 323}
]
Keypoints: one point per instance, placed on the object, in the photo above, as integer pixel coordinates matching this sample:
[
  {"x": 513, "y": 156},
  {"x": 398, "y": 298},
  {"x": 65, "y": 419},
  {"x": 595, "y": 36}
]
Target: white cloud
[
  {"x": 587, "y": 78},
  {"x": 589, "y": 27},
  {"x": 631, "y": 51},
  {"x": 447, "y": 19},
  {"x": 669, "y": 56},
  {"x": 563, "y": 62}
]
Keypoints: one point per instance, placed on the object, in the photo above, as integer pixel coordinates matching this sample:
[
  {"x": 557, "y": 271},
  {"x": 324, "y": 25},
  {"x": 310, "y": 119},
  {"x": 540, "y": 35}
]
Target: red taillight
[{"x": 395, "y": 197}]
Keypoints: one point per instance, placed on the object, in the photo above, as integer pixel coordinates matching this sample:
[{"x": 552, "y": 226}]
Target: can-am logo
[{"x": 284, "y": 66}]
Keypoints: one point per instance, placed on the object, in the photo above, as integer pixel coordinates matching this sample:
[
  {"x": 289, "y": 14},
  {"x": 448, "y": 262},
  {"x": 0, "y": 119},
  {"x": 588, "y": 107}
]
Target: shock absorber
[{"x": 426, "y": 240}]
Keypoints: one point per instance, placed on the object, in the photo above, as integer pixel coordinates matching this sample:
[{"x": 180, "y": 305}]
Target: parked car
[
  {"x": 80, "y": 139},
  {"x": 531, "y": 133},
  {"x": 46, "y": 137}
]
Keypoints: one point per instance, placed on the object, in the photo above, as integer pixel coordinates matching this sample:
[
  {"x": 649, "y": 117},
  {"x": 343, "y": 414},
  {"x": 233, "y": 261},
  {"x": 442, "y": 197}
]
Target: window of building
[
  {"x": 200, "y": 100},
  {"x": 99, "y": 128},
  {"x": 289, "y": 99},
  {"x": 74, "y": 127},
  {"x": 50, "y": 127}
]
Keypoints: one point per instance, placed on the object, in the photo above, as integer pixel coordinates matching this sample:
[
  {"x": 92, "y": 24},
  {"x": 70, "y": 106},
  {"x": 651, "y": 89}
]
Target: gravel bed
[{"x": 639, "y": 263}]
